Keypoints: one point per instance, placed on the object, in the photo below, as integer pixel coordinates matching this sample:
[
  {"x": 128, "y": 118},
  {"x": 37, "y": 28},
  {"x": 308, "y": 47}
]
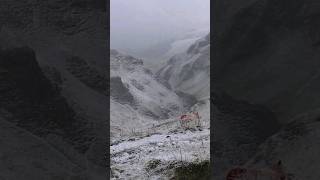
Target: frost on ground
[
  {"x": 154, "y": 151},
  {"x": 153, "y": 156},
  {"x": 147, "y": 139}
]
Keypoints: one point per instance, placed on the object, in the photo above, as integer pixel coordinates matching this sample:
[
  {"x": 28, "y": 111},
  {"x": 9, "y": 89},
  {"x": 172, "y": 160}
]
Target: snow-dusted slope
[
  {"x": 155, "y": 57},
  {"x": 55, "y": 32},
  {"x": 37, "y": 161},
  {"x": 164, "y": 144},
  {"x": 136, "y": 96},
  {"x": 26, "y": 156},
  {"x": 189, "y": 72},
  {"x": 139, "y": 101},
  {"x": 269, "y": 54},
  {"x": 166, "y": 149},
  {"x": 37, "y": 106}
]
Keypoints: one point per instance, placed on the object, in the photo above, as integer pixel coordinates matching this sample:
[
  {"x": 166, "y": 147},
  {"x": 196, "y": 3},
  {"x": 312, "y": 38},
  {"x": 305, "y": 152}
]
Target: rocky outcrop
[{"x": 120, "y": 92}]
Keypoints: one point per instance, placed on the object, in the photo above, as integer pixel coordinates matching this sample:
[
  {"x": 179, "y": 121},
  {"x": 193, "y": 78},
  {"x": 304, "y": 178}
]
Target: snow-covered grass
[
  {"x": 163, "y": 145},
  {"x": 129, "y": 158}
]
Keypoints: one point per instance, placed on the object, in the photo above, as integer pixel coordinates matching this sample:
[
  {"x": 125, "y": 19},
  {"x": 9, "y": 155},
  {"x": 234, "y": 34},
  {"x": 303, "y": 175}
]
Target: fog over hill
[{"x": 155, "y": 29}]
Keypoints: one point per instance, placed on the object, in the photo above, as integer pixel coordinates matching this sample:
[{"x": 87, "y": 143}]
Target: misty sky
[{"x": 137, "y": 24}]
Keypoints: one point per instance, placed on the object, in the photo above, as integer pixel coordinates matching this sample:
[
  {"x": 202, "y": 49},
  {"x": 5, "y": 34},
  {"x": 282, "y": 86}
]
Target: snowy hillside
[
  {"x": 167, "y": 150},
  {"x": 156, "y": 56},
  {"x": 154, "y": 151},
  {"x": 137, "y": 94},
  {"x": 189, "y": 72},
  {"x": 34, "y": 105},
  {"x": 37, "y": 158},
  {"x": 54, "y": 89},
  {"x": 145, "y": 130}
]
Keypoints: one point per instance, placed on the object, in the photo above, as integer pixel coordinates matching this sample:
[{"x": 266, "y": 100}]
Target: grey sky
[{"x": 137, "y": 24}]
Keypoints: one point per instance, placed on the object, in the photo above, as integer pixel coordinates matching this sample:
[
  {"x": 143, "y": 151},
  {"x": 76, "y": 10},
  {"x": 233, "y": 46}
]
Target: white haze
[{"x": 138, "y": 24}]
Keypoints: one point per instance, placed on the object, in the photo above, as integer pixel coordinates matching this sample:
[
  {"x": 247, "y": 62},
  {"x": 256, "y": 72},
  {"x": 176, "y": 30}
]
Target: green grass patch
[
  {"x": 193, "y": 171},
  {"x": 152, "y": 164}
]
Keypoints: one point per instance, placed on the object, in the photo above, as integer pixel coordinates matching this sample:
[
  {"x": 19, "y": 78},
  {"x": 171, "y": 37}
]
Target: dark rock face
[
  {"x": 187, "y": 99},
  {"x": 137, "y": 85},
  {"x": 165, "y": 77},
  {"x": 22, "y": 68},
  {"x": 239, "y": 128},
  {"x": 268, "y": 54},
  {"x": 120, "y": 92},
  {"x": 36, "y": 105}
]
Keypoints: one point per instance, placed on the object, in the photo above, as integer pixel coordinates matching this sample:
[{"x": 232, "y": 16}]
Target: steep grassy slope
[
  {"x": 267, "y": 53},
  {"x": 50, "y": 95}
]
